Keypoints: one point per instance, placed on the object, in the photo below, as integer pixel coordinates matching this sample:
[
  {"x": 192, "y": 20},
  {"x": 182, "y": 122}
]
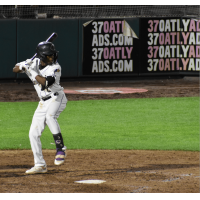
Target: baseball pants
[{"x": 46, "y": 113}]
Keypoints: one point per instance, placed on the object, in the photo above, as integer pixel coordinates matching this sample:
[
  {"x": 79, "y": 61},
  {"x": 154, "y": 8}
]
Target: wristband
[{"x": 20, "y": 67}]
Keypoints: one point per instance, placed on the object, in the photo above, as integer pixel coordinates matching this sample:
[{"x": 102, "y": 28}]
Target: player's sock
[{"x": 58, "y": 141}]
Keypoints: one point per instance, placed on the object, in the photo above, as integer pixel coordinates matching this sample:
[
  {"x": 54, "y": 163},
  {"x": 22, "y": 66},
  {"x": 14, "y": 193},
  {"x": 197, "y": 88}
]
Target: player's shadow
[
  {"x": 14, "y": 173},
  {"x": 23, "y": 168},
  {"x": 150, "y": 167},
  {"x": 97, "y": 171},
  {"x": 15, "y": 167}
]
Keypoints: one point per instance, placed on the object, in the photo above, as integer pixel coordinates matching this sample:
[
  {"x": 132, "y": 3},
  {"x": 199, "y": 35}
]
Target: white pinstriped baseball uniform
[{"x": 52, "y": 102}]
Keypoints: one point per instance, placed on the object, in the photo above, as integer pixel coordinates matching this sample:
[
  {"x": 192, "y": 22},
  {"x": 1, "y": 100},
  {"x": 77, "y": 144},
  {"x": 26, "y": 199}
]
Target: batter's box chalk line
[{"x": 90, "y": 181}]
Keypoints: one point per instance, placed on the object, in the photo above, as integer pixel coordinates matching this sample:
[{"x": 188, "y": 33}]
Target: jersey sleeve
[
  {"x": 34, "y": 65},
  {"x": 55, "y": 70}
]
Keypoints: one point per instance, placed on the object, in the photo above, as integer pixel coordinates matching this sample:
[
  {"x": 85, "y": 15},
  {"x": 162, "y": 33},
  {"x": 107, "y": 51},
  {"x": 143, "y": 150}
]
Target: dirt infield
[
  {"x": 125, "y": 171},
  {"x": 186, "y": 87}
]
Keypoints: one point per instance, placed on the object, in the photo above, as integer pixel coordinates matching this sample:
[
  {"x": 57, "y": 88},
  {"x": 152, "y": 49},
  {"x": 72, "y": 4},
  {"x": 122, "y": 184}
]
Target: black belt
[
  {"x": 55, "y": 94},
  {"x": 44, "y": 99}
]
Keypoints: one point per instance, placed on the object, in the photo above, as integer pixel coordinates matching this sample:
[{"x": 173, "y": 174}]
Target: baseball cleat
[
  {"x": 60, "y": 156},
  {"x": 37, "y": 170}
]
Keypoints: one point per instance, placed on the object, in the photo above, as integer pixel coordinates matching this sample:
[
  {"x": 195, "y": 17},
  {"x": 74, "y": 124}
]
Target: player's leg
[
  {"x": 54, "y": 110},
  {"x": 36, "y": 129},
  {"x": 52, "y": 114}
]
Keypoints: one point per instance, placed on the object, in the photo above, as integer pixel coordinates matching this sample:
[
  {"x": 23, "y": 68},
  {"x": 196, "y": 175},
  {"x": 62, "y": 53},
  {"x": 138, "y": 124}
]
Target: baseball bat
[{"x": 51, "y": 38}]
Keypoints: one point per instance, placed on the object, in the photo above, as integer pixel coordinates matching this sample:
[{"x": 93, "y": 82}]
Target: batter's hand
[{"x": 24, "y": 67}]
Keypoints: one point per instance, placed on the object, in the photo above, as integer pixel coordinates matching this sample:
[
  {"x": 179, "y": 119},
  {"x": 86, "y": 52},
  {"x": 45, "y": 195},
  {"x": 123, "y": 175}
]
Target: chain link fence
[{"x": 89, "y": 11}]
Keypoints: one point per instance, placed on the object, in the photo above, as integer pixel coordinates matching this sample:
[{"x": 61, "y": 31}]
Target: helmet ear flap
[{"x": 55, "y": 57}]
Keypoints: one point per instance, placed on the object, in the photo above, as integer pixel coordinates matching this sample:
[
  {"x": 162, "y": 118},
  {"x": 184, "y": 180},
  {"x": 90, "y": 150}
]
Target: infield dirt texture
[{"x": 125, "y": 171}]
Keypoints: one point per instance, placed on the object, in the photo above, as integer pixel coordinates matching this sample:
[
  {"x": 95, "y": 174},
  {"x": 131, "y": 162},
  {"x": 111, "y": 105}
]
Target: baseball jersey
[{"x": 53, "y": 70}]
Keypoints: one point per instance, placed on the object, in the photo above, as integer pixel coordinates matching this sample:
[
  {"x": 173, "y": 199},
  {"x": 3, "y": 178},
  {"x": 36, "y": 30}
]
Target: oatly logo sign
[{"x": 106, "y": 49}]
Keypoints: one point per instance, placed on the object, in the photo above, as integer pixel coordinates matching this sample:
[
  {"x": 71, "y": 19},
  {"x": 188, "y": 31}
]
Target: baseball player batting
[{"x": 45, "y": 72}]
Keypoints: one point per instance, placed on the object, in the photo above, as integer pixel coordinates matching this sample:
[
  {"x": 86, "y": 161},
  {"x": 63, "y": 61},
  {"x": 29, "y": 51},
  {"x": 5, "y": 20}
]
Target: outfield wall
[{"x": 97, "y": 48}]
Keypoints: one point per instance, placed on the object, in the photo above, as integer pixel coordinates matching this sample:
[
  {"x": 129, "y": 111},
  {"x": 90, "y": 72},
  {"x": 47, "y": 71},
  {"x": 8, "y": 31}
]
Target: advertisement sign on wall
[
  {"x": 106, "y": 50},
  {"x": 169, "y": 45}
]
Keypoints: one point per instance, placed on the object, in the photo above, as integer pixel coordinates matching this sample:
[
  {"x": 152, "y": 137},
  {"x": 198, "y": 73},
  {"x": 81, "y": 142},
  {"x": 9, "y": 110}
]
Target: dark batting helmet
[{"x": 46, "y": 49}]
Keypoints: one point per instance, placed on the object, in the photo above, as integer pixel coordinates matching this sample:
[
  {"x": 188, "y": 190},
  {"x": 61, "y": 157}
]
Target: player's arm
[
  {"x": 45, "y": 81},
  {"x": 16, "y": 69},
  {"x": 22, "y": 66},
  {"x": 40, "y": 79}
]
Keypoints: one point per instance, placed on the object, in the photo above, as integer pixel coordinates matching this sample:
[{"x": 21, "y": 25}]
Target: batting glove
[
  {"x": 22, "y": 66},
  {"x": 25, "y": 67}
]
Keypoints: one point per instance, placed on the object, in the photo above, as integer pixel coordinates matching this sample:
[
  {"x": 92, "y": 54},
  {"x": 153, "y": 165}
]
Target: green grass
[{"x": 154, "y": 124}]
